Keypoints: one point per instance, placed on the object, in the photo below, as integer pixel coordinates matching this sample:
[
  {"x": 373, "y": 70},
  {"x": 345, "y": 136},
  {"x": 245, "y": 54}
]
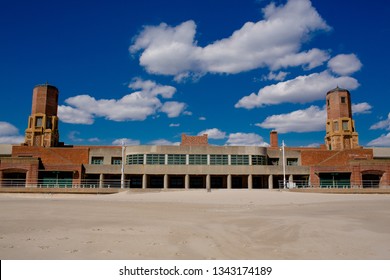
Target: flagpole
[
  {"x": 123, "y": 166},
  {"x": 284, "y": 166}
]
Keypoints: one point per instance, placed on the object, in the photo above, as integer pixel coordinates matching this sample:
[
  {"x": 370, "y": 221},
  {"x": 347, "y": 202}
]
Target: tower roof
[
  {"x": 47, "y": 85},
  {"x": 337, "y": 89}
]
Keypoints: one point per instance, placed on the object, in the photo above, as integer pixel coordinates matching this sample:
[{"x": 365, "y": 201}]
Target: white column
[
  {"x": 165, "y": 181},
  {"x": 250, "y": 181},
  {"x": 187, "y": 181},
  {"x": 270, "y": 181},
  {"x": 229, "y": 181},
  {"x": 208, "y": 182},
  {"x": 101, "y": 179},
  {"x": 144, "y": 181},
  {"x": 291, "y": 179}
]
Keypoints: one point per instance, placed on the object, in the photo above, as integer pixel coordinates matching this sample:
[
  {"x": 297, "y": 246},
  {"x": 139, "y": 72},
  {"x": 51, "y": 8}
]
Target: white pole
[
  {"x": 123, "y": 166},
  {"x": 284, "y": 166}
]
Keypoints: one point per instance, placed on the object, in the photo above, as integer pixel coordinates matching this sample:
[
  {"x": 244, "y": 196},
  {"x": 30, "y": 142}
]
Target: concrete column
[
  {"x": 250, "y": 181},
  {"x": 208, "y": 182},
  {"x": 101, "y": 180},
  {"x": 290, "y": 179},
  {"x": 229, "y": 181},
  {"x": 270, "y": 181},
  {"x": 187, "y": 181},
  {"x": 144, "y": 181},
  {"x": 166, "y": 181}
]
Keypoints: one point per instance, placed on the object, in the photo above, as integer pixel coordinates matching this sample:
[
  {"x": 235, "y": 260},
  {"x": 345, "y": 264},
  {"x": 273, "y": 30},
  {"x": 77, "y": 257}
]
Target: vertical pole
[
  {"x": 123, "y": 166},
  {"x": 284, "y": 166}
]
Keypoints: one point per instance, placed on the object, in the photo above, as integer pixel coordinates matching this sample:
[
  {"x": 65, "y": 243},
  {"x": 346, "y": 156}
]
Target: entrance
[
  {"x": 371, "y": 180},
  {"x": 335, "y": 180},
  {"x": 13, "y": 179}
]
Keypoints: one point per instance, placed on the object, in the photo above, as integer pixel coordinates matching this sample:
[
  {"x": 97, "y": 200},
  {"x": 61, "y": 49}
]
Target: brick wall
[
  {"x": 334, "y": 158},
  {"x": 187, "y": 140},
  {"x": 54, "y": 156}
]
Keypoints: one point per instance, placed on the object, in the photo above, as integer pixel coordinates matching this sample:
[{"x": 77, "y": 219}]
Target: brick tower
[
  {"x": 42, "y": 127},
  {"x": 340, "y": 128}
]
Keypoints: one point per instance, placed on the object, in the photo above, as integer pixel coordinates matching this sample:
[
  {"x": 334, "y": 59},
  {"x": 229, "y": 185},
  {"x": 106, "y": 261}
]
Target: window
[
  {"x": 258, "y": 160},
  {"x": 97, "y": 160},
  {"x": 135, "y": 159},
  {"x": 219, "y": 159},
  {"x": 273, "y": 161},
  {"x": 239, "y": 159},
  {"x": 292, "y": 161},
  {"x": 38, "y": 122},
  {"x": 176, "y": 159},
  {"x": 198, "y": 159},
  {"x": 155, "y": 159},
  {"x": 345, "y": 125},
  {"x": 343, "y": 99},
  {"x": 336, "y": 126},
  {"x": 328, "y": 102},
  {"x": 116, "y": 160},
  {"x": 48, "y": 123}
]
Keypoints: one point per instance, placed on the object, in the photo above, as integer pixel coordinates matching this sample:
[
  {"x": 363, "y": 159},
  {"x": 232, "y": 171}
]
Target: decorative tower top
[
  {"x": 340, "y": 128},
  {"x": 42, "y": 127}
]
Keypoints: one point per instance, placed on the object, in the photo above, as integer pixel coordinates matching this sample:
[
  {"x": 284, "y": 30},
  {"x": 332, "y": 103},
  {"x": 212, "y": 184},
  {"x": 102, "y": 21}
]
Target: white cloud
[
  {"x": 213, "y": 133},
  {"x": 150, "y": 88},
  {"x": 382, "y": 141},
  {"x": 307, "y": 120},
  {"x": 273, "y": 42},
  {"x": 174, "y": 125},
  {"x": 74, "y": 136},
  {"x": 173, "y": 109},
  {"x": 164, "y": 142},
  {"x": 9, "y": 134},
  {"x": 202, "y": 118},
  {"x": 7, "y": 129},
  {"x": 272, "y": 76},
  {"x": 126, "y": 141},
  {"x": 301, "y": 89},
  {"x": 136, "y": 106},
  {"x": 361, "y": 108},
  {"x": 245, "y": 139},
  {"x": 68, "y": 114},
  {"x": 345, "y": 64},
  {"x": 384, "y": 124}
]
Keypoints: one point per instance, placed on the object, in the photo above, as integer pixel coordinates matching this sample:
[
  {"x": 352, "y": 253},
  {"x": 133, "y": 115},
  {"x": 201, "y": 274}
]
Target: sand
[{"x": 195, "y": 224}]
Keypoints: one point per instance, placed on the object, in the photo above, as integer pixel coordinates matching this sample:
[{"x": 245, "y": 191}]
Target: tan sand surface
[{"x": 195, "y": 224}]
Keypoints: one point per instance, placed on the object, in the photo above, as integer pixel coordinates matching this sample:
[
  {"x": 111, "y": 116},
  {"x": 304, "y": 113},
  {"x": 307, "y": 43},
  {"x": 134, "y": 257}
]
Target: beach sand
[{"x": 195, "y": 224}]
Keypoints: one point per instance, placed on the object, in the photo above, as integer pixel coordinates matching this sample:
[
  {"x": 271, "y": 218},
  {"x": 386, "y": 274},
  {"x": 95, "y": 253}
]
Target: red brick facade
[{"x": 187, "y": 140}]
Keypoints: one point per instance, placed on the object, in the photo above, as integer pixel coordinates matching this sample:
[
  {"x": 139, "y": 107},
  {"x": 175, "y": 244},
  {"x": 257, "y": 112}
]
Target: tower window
[
  {"x": 328, "y": 102},
  {"x": 343, "y": 99},
  {"x": 345, "y": 125},
  {"x": 38, "y": 122},
  {"x": 336, "y": 126}
]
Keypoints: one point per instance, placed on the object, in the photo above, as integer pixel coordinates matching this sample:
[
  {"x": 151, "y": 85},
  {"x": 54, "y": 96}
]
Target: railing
[
  {"x": 345, "y": 184},
  {"x": 115, "y": 183},
  {"x": 61, "y": 183}
]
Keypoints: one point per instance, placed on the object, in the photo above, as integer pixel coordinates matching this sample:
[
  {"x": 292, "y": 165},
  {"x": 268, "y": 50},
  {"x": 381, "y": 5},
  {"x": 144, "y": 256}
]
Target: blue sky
[{"x": 148, "y": 71}]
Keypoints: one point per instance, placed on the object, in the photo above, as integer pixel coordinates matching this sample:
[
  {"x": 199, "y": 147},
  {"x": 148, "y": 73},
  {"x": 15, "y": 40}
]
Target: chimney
[{"x": 274, "y": 139}]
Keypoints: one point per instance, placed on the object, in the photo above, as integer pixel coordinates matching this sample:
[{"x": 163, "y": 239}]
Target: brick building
[{"x": 43, "y": 161}]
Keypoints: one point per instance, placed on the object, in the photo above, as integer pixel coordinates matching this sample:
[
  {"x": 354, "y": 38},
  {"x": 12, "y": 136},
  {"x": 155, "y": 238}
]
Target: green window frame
[
  {"x": 219, "y": 160},
  {"x": 155, "y": 159},
  {"x": 97, "y": 160},
  {"x": 197, "y": 159},
  {"x": 259, "y": 160},
  {"x": 239, "y": 159},
  {"x": 116, "y": 160},
  {"x": 179, "y": 159},
  {"x": 135, "y": 159}
]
